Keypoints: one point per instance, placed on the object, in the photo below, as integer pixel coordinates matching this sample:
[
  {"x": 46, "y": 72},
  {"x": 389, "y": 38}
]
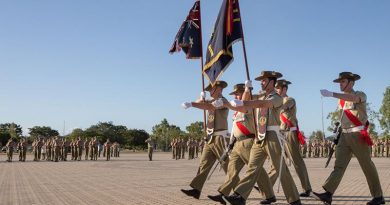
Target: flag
[
  {"x": 188, "y": 38},
  {"x": 227, "y": 30}
]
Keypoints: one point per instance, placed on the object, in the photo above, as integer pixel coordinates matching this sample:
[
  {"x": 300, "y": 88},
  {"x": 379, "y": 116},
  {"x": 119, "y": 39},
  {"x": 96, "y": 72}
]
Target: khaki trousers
[
  {"x": 351, "y": 143},
  {"x": 258, "y": 155},
  {"x": 212, "y": 151},
  {"x": 238, "y": 158},
  {"x": 292, "y": 146}
]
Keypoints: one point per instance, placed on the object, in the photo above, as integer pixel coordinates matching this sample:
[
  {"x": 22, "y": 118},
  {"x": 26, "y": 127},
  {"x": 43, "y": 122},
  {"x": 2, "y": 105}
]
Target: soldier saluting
[
  {"x": 217, "y": 126},
  {"x": 354, "y": 140}
]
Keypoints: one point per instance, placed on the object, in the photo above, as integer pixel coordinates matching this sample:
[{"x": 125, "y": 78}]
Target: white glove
[
  {"x": 248, "y": 84},
  {"x": 326, "y": 93},
  {"x": 186, "y": 105},
  {"x": 236, "y": 103},
  {"x": 217, "y": 103},
  {"x": 203, "y": 95}
]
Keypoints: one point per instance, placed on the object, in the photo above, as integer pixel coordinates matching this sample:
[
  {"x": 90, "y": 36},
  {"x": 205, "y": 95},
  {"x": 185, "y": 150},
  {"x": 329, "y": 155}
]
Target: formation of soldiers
[
  {"x": 319, "y": 148},
  {"x": 265, "y": 126},
  {"x": 180, "y": 147},
  {"x": 57, "y": 149}
]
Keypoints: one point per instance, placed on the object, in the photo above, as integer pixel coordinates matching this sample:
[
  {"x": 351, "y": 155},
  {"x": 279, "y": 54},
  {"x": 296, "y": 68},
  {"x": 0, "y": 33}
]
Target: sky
[{"x": 80, "y": 62}]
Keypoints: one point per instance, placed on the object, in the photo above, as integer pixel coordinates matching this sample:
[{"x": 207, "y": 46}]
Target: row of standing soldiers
[
  {"x": 180, "y": 147},
  {"x": 57, "y": 149},
  {"x": 380, "y": 148}
]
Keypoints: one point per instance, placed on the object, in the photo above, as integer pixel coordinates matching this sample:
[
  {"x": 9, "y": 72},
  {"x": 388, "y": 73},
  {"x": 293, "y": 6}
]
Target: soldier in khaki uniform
[
  {"x": 107, "y": 147},
  {"x": 173, "y": 147},
  {"x": 87, "y": 148},
  {"x": 289, "y": 125},
  {"x": 57, "y": 147},
  {"x": 150, "y": 143},
  {"x": 10, "y": 149},
  {"x": 268, "y": 144},
  {"x": 243, "y": 133},
  {"x": 354, "y": 139},
  {"x": 35, "y": 149},
  {"x": 217, "y": 126},
  {"x": 22, "y": 147},
  {"x": 178, "y": 149},
  {"x": 183, "y": 148}
]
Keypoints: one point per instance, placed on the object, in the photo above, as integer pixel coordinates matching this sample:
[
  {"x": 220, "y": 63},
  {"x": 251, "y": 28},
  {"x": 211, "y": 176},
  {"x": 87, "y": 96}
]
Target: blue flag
[
  {"x": 188, "y": 36},
  {"x": 227, "y": 30}
]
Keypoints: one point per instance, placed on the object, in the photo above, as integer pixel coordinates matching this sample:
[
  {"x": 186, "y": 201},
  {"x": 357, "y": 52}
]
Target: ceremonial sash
[
  {"x": 364, "y": 133},
  {"x": 301, "y": 137},
  {"x": 242, "y": 127}
]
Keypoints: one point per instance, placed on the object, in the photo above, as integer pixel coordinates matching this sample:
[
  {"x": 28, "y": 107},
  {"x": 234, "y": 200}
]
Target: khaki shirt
[
  {"x": 289, "y": 110},
  {"x": 357, "y": 109},
  {"x": 274, "y": 112},
  {"x": 245, "y": 119}
]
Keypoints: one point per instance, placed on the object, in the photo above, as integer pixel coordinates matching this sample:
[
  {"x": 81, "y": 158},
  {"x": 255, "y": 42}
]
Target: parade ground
[{"x": 133, "y": 179}]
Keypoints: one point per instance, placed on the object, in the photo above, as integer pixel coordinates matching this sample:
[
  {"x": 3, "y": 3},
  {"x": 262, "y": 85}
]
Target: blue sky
[{"x": 87, "y": 61}]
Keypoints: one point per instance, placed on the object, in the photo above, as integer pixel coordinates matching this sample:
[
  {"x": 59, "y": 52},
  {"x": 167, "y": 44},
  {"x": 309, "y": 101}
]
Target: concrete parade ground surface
[{"x": 133, "y": 179}]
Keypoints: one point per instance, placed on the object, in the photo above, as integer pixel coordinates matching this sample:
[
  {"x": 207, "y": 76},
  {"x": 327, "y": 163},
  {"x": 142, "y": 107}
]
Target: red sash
[
  {"x": 242, "y": 127},
  {"x": 364, "y": 133},
  {"x": 301, "y": 137}
]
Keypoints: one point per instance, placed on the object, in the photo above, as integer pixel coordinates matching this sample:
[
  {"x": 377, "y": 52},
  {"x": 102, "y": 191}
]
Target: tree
[
  {"x": 316, "y": 135},
  {"x": 42, "y": 131},
  {"x": 384, "y": 111},
  {"x": 196, "y": 130},
  {"x": 10, "y": 130},
  {"x": 136, "y": 139},
  {"x": 164, "y": 132}
]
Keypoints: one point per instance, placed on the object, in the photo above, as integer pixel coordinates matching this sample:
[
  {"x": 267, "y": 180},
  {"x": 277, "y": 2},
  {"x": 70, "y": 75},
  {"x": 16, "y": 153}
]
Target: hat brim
[
  {"x": 354, "y": 78},
  {"x": 236, "y": 92},
  {"x": 261, "y": 77},
  {"x": 223, "y": 84}
]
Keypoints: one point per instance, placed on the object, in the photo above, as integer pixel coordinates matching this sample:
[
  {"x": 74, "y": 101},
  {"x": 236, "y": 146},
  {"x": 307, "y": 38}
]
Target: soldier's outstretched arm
[{"x": 344, "y": 96}]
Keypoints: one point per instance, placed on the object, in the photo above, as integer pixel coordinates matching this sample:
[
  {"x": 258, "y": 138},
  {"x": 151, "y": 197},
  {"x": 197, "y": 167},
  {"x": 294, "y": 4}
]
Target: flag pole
[
  {"x": 201, "y": 62},
  {"x": 246, "y": 62}
]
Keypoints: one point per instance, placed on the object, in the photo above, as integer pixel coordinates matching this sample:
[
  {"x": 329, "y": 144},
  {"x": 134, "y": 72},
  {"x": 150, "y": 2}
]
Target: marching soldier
[
  {"x": 217, "y": 126},
  {"x": 107, "y": 147},
  {"x": 354, "y": 139},
  {"x": 243, "y": 132},
  {"x": 387, "y": 147},
  {"x": 268, "y": 143},
  {"x": 289, "y": 125},
  {"x": 150, "y": 147}
]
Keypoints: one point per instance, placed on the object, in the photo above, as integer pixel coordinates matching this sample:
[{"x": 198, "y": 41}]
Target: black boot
[
  {"x": 305, "y": 194},
  {"x": 298, "y": 202},
  {"x": 217, "y": 198},
  {"x": 377, "y": 201},
  {"x": 325, "y": 197},
  {"x": 235, "y": 199},
  {"x": 192, "y": 192},
  {"x": 268, "y": 201}
]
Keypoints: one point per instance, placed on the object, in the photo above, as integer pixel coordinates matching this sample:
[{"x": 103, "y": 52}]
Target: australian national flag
[
  {"x": 188, "y": 36},
  {"x": 227, "y": 30}
]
